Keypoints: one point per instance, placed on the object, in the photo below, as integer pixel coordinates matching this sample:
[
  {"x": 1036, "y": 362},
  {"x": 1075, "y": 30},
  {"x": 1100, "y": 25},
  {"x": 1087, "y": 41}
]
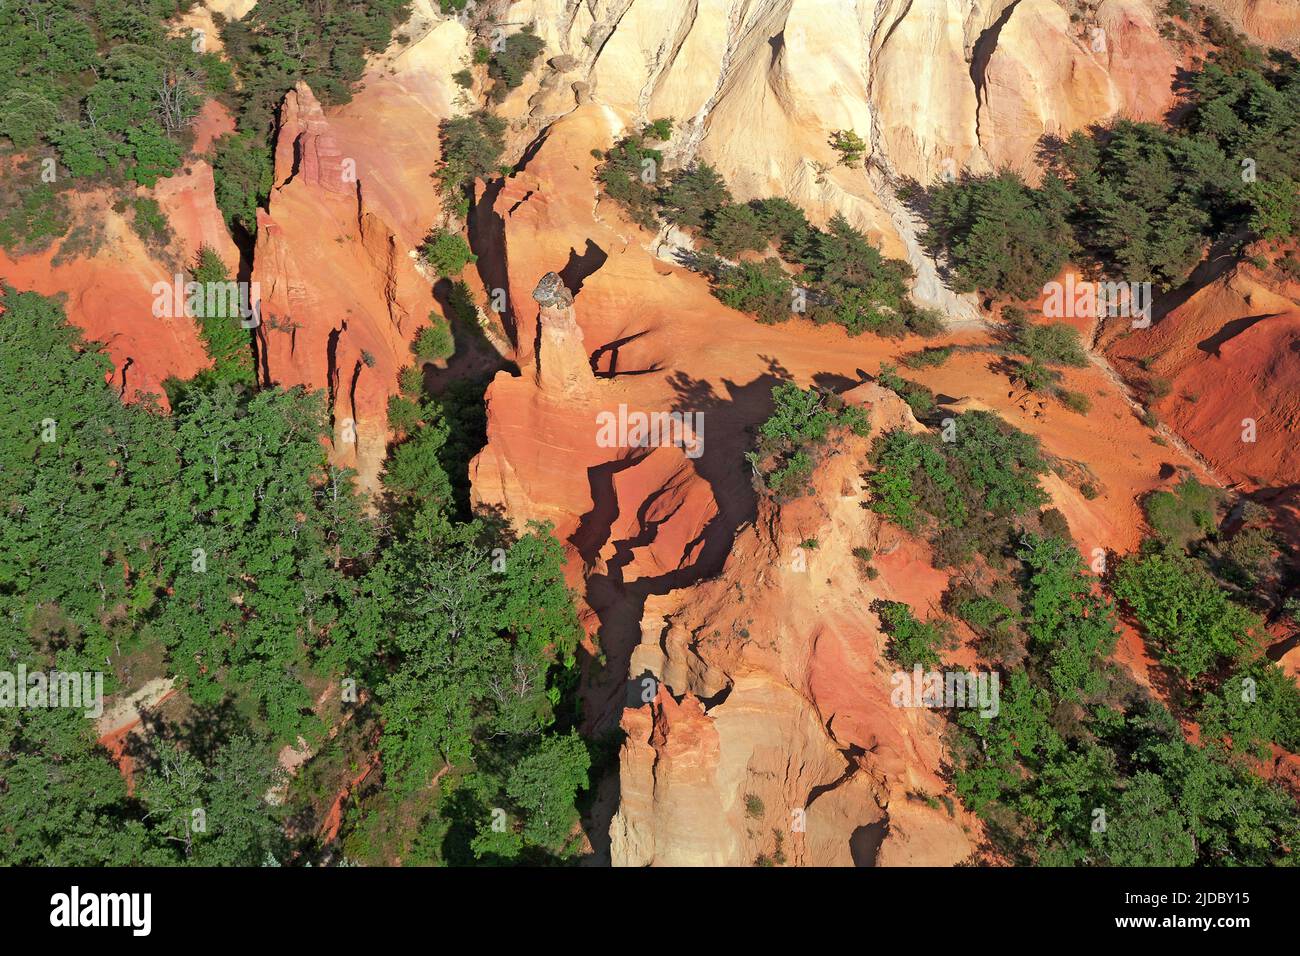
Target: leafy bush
[
  {"x": 799, "y": 416},
  {"x": 1054, "y": 344},
  {"x": 226, "y": 341},
  {"x": 660, "y": 130},
  {"x": 789, "y": 479},
  {"x": 1036, "y": 376},
  {"x": 150, "y": 223},
  {"x": 1257, "y": 706},
  {"x": 1180, "y": 516},
  {"x": 1075, "y": 401},
  {"x": 1248, "y": 556},
  {"x": 919, "y": 398},
  {"x": 991, "y": 470},
  {"x": 1184, "y": 612},
  {"x": 512, "y": 62},
  {"x": 31, "y": 217},
  {"x": 434, "y": 342},
  {"x": 928, "y": 358},
  {"x": 460, "y": 303},
  {"x": 447, "y": 252},
  {"x": 911, "y": 642},
  {"x": 628, "y": 176},
  {"x": 801, "y": 421},
  {"x": 760, "y": 288}
]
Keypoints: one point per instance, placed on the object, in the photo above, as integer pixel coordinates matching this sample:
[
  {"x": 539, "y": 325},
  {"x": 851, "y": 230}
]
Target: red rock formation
[
  {"x": 673, "y": 563},
  {"x": 108, "y": 274},
  {"x": 341, "y": 297},
  {"x": 342, "y": 291},
  {"x": 1269, "y": 22},
  {"x": 799, "y": 735},
  {"x": 1229, "y": 359},
  {"x": 544, "y": 431}
]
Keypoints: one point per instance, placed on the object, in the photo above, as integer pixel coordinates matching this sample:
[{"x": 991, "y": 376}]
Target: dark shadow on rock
[
  {"x": 487, "y": 239},
  {"x": 579, "y": 268},
  {"x": 619, "y": 604},
  {"x": 1229, "y": 331}
]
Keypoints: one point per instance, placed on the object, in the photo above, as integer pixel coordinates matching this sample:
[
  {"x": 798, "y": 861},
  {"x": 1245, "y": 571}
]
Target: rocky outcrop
[
  {"x": 1270, "y": 22},
  {"x": 340, "y": 295},
  {"x": 119, "y": 288},
  {"x": 772, "y": 733},
  {"x": 758, "y": 88},
  {"x": 1223, "y": 363},
  {"x": 546, "y": 426},
  {"x": 1045, "y": 75}
]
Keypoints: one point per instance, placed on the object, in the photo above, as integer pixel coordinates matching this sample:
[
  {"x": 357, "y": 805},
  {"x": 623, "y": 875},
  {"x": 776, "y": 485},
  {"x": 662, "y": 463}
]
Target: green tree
[
  {"x": 434, "y": 342},
  {"x": 220, "y": 318},
  {"x": 1184, "y": 612},
  {"x": 1146, "y": 828},
  {"x": 911, "y": 641},
  {"x": 447, "y": 252},
  {"x": 628, "y": 176},
  {"x": 1000, "y": 235},
  {"x": 544, "y": 785},
  {"x": 849, "y": 145},
  {"x": 761, "y": 288},
  {"x": 511, "y": 63},
  {"x": 471, "y": 149},
  {"x": 243, "y": 173},
  {"x": 693, "y": 195},
  {"x": 735, "y": 229}
]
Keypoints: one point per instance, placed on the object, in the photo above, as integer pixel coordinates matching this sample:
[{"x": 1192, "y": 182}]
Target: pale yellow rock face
[
  {"x": 934, "y": 85},
  {"x": 1049, "y": 75},
  {"x": 922, "y": 91},
  {"x": 231, "y": 9},
  {"x": 756, "y": 89},
  {"x": 1272, "y": 22},
  {"x": 1040, "y": 79},
  {"x": 935, "y": 88}
]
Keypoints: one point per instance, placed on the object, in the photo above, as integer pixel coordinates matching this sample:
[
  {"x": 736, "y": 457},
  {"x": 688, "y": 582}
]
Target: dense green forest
[
  {"x": 426, "y": 655},
  {"x": 103, "y": 88},
  {"x": 217, "y": 544},
  {"x": 1082, "y": 765}
]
